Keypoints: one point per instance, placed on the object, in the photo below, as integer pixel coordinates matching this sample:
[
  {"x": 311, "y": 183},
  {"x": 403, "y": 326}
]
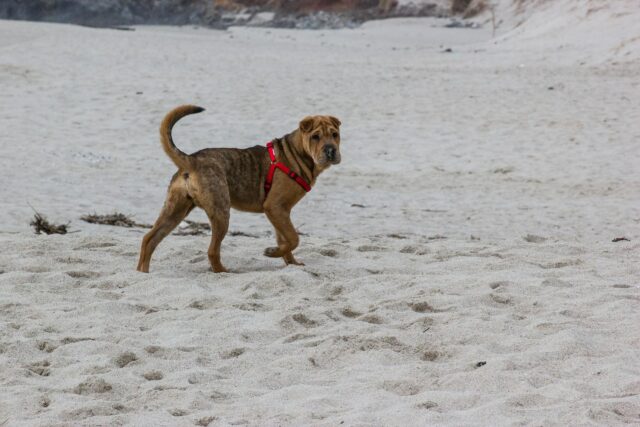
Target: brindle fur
[{"x": 218, "y": 179}]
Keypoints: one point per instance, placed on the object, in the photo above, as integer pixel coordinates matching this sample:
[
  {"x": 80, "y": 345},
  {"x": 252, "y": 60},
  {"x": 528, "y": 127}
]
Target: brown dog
[{"x": 218, "y": 179}]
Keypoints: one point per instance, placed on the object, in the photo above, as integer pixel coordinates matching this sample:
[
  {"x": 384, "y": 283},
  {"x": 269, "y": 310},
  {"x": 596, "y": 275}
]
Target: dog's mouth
[
  {"x": 330, "y": 155},
  {"x": 328, "y": 161}
]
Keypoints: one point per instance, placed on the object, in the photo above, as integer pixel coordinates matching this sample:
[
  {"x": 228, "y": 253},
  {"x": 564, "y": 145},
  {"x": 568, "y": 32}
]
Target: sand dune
[{"x": 460, "y": 268}]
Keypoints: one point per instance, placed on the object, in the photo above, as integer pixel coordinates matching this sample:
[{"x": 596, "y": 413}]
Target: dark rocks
[
  {"x": 456, "y": 23},
  {"x": 304, "y": 14},
  {"x": 108, "y": 13}
]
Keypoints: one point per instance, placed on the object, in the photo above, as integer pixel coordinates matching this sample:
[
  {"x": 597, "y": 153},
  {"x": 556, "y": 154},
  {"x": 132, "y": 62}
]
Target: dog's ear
[
  {"x": 306, "y": 125},
  {"x": 335, "y": 121}
]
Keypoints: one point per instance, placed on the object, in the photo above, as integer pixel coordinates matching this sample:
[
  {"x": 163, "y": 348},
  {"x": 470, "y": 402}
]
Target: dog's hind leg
[
  {"x": 217, "y": 205},
  {"x": 175, "y": 209},
  {"x": 219, "y": 226}
]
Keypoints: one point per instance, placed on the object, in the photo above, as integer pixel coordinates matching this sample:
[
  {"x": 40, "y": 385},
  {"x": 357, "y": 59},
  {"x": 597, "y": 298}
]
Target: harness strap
[{"x": 279, "y": 165}]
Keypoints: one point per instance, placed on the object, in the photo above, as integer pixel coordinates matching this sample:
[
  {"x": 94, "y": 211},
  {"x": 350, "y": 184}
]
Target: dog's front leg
[
  {"x": 286, "y": 234},
  {"x": 288, "y": 257}
]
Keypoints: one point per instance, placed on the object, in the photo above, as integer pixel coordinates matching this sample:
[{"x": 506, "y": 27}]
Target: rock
[{"x": 303, "y": 14}]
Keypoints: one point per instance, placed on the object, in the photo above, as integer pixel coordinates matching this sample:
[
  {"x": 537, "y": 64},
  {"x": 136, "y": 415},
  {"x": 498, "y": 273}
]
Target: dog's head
[{"x": 321, "y": 139}]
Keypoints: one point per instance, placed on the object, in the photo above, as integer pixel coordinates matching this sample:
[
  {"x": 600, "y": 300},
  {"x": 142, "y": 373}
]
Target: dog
[{"x": 269, "y": 180}]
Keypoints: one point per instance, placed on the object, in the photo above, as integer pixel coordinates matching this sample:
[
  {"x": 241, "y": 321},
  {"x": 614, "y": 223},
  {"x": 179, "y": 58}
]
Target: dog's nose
[{"x": 330, "y": 152}]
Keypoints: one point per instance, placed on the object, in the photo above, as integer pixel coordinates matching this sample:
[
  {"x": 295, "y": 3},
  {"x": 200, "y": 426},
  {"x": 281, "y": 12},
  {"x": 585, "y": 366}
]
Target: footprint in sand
[
  {"x": 373, "y": 319},
  {"x": 94, "y": 245},
  {"x": 427, "y": 405},
  {"x": 83, "y": 274},
  {"x": 574, "y": 314},
  {"x": 421, "y": 307},
  {"x": 124, "y": 359},
  {"x": 120, "y": 407},
  {"x": 415, "y": 250},
  {"x": 92, "y": 386},
  {"x": 532, "y": 238},
  {"x": 218, "y": 395},
  {"x": 380, "y": 343},
  {"x": 153, "y": 349},
  {"x": 142, "y": 308},
  {"x": 230, "y": 354},
  {"x": 111, "y": 284},
  {"x": 328, "y": 252},
  {"x": 153, "y": 376},
  {"x": 337, "y": 291},
  {"x": 423, "y": 324},
  {"x": 46, "y": 346},
  {"x": 430, "y": 356},
  {"x": 72, "y": 340},
  {"x": 501, "y": 299},
  {"x": 560, "y": 264},
  {"x": 40, "y": 368},
  {"x": 371, "y": 248},
  {"x": 45, "y": 401},
  {"x": 348, "y": 312},
  {"x": 501, "y": 285},
  {"x": 297, "y": 337},
  {"x": 88, "y": 412},
  {"x": 111, "y": 296},
  {"x": 70, "y": 260},
  {"x": 304, "y": 320},
  {"x": 205, "y": 421},
  {"x": 401, "y": 388},
  {"x": 252, "y": 306},
  {"x": 204, "y": 304}
]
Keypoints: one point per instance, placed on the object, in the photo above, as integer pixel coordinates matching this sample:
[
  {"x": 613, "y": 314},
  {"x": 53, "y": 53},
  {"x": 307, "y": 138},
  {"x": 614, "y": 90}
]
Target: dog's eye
[
  {"x": 335, "y": 135},
  {"x": 315, "y": 137}
]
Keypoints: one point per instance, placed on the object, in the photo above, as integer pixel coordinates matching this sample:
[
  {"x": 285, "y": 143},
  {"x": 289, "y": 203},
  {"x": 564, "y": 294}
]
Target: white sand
[{"x": 490, "y": 203}]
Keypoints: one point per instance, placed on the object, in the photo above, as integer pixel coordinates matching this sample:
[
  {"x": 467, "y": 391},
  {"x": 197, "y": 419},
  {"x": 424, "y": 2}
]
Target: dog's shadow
[{"x": 246, "y": 269}]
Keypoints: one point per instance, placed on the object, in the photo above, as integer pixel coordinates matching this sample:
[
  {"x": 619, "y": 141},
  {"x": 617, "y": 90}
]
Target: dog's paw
[
  {"x": 293, "y": 262},
  {"x": 273, "y": 252}
]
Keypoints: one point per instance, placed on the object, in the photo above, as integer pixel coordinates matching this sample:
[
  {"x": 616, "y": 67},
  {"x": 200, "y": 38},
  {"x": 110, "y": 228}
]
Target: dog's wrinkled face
[{"x": 321, "y": 139}]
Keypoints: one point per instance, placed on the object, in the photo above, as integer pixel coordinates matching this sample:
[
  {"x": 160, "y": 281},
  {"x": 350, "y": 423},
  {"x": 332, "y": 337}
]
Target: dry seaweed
[
  {"x": 115, "y": 219},
  {"x": 243, "y": 234},
  {"x": 620, "y": 239},
  {"x": 41, "y": 225},
  {"x": 193, "y": 229}
]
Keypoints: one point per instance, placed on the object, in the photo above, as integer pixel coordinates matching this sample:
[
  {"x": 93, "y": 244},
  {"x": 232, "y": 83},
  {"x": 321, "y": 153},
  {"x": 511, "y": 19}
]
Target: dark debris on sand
[
  {"x": 41, "y": 225},
  {"x": 193, "y": 229},
  {"x": 620, "y": 239},
  {"x": 116, "y": 219}
]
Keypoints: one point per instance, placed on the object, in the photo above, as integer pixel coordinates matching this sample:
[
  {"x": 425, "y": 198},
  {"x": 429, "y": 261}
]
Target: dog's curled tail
[{"x": 180, "y": 158}]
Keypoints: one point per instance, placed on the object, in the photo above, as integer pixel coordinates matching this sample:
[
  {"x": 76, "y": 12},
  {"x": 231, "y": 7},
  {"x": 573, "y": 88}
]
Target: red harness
[{"x": 279, "y": 165}]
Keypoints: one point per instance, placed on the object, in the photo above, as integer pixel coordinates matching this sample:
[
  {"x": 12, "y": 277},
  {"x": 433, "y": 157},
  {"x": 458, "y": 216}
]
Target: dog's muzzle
[{"x": 331, "y": 154}]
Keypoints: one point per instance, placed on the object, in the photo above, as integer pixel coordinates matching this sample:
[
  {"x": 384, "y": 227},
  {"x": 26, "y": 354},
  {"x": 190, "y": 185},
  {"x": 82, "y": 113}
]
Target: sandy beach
[{"x": 460, "y": 264}]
